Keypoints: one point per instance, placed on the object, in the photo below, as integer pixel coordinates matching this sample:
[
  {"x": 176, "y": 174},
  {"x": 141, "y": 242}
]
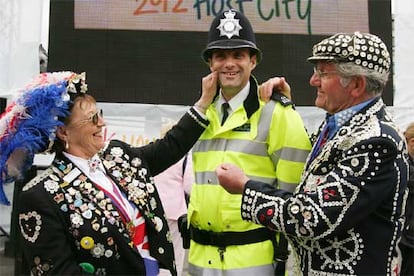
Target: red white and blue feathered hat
[{"x": 29, "y": 123}]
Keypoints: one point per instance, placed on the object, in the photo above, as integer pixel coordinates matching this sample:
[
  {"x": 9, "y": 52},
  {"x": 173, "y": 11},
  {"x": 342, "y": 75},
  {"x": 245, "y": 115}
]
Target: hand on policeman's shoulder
[{"x": 274, "y": 85}]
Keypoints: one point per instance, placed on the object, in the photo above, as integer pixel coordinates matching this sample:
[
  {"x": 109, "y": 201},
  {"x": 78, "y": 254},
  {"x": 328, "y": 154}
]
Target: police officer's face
[{"x": 234, "y": 67}]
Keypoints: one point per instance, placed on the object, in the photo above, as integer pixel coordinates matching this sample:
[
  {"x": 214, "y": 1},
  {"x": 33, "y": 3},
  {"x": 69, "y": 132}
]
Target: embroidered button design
[
  {"x": 136, "y": 162},
  {"x": 110, "y": 241},
  {"x": 64, "y": 208},
  {"x": 87, "y": 243},
  {"x": 51, "y": 186},
  {"x": 87, "y": 214},
  {"x": 76, "y": 220},
  {"x": 329, "y": 193},
  {"x": 94, "y": 164},
  {"x": 58, "y": 198},
  {"x": 108, "y": 253},
  {"x": 30, "y": 225},
  {"x": 158, "y": 224},
  {"x": 269, "y": 212},
  {"x": 294, "y": 209},
  {"x": 41, "y": 267},
  {"x": 87, "y": 267},
  {"x": 98, "y": 251}
]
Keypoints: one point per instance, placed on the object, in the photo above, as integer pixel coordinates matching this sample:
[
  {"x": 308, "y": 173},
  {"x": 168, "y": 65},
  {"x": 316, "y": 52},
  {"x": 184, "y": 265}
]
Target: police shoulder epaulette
[{"x": 279, "y": 97}]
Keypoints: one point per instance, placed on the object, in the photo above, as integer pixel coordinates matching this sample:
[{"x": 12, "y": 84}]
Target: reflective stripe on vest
[
  {"x": 222, "y": 144},
  {"x": 211, "y": 178},
  {"x": 202, "y": 178},
  {"x": 263, "y": 270},
  {"x": 264, "y": 121},
  {"x": 251, "y": 147}
]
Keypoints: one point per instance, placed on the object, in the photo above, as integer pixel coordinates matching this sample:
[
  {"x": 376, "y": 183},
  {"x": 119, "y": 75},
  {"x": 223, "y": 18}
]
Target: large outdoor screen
[{"x": 149, "y": 51}]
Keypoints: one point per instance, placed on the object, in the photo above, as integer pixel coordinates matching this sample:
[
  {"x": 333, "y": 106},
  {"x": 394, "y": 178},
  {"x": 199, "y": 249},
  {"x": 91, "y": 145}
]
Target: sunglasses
[{"x": 94, "y": 118}]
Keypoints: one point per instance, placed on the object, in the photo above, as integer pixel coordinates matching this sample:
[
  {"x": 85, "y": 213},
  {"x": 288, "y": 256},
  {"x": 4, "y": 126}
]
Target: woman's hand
[{"x": 208, "y": 91}]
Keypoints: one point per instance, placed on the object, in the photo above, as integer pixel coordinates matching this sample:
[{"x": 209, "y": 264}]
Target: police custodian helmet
[{"x": 230, "y": 30}]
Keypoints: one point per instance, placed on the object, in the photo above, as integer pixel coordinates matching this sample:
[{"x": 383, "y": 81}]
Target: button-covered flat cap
[{"x": 366, "y": 50}]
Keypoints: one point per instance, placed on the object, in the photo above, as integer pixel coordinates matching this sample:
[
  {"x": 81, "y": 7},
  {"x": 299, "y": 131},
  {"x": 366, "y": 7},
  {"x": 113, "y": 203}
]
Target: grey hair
[{"x": 375, "y": 81}]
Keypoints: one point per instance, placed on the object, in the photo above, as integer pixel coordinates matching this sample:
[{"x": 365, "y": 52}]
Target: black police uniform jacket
[
  {"x": 70, "y": 227},
  {"x": 346, "y": 215}
]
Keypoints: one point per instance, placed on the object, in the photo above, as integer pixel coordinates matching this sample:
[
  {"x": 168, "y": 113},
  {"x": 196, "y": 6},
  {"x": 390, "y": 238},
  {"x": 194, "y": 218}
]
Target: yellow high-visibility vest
[{"x": 270, "y": 145}]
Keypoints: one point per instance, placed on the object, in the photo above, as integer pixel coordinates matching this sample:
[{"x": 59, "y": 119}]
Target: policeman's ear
[
  {"x": 253, "y": 61},
  {"x": 210, "y": 63}
]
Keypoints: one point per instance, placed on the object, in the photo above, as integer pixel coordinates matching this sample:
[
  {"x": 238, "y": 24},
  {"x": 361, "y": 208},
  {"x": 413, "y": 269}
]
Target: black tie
[{"x": 225, "y": 109}]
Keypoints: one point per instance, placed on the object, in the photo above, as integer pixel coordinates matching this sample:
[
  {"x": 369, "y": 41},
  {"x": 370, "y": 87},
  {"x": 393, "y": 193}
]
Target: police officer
[{"x": 268, "y": 141}]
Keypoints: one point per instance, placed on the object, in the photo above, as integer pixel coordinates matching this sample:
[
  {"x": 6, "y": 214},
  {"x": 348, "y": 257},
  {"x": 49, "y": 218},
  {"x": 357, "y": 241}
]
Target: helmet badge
[{"x": 229, "y": 26}]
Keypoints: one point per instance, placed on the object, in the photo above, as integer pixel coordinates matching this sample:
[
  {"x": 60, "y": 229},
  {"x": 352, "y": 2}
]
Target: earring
[{"x": 66, "y": 145}]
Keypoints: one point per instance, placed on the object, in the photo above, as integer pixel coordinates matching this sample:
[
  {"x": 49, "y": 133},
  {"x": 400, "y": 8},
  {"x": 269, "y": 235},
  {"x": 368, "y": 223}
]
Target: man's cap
[
  {"x": 364, "y": 49},
  {"x": 231, "y": 30}
]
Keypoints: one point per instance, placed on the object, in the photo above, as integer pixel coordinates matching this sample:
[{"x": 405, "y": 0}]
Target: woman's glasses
[{"x": 94, "y": 118}]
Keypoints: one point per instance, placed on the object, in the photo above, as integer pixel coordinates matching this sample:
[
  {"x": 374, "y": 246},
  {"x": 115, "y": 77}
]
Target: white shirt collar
[
  {"x": 83, "y": 164},
  {"x": 236, "y": 101}
]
